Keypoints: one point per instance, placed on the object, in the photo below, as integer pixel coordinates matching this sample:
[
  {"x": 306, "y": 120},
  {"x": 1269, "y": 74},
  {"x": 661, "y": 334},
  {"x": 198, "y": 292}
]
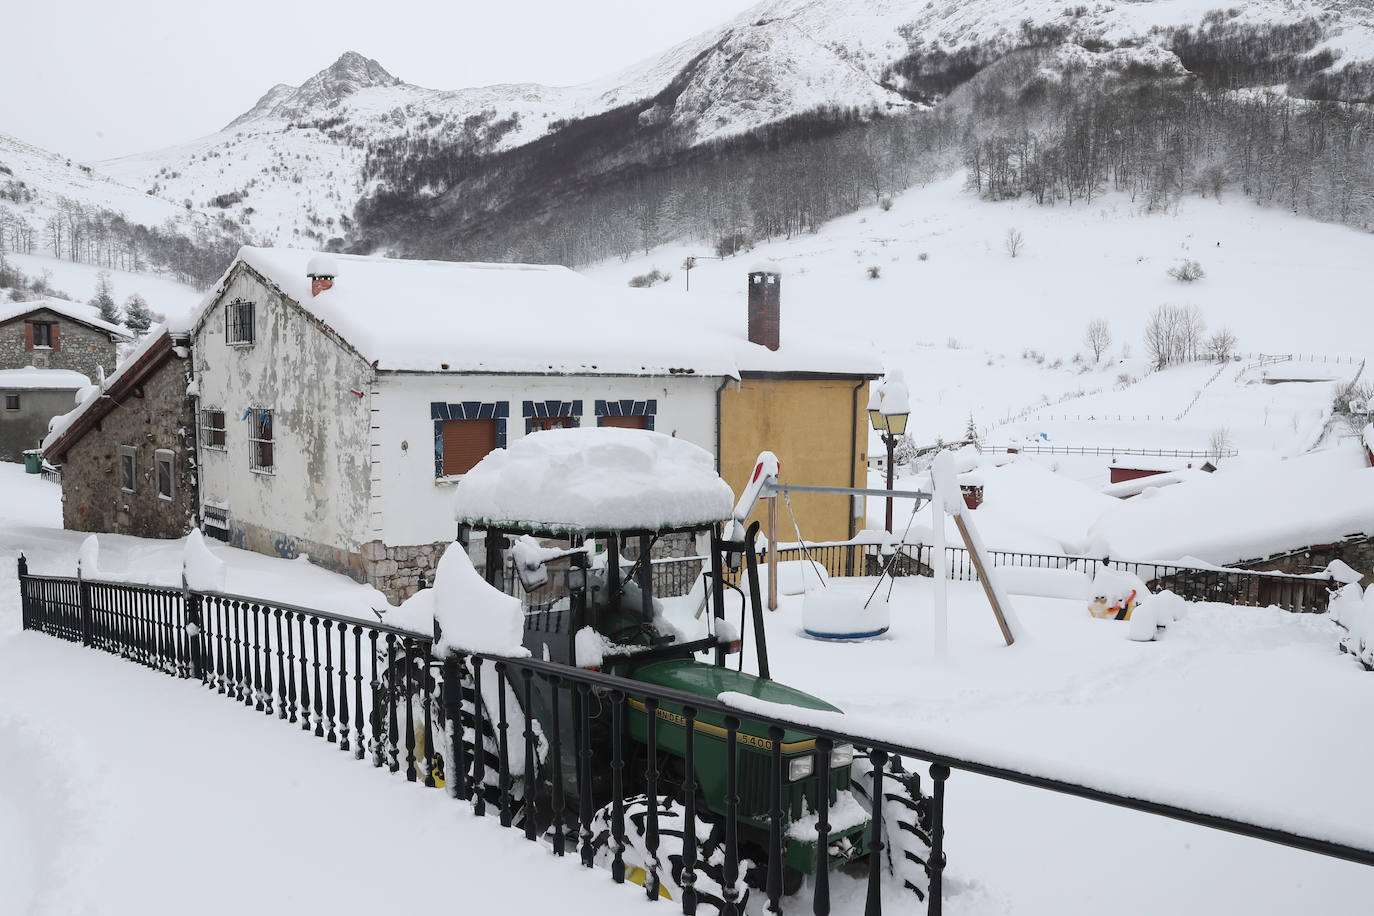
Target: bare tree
[
  {"x": 1098, "y": 337},
  {"x": 1220, "y": 444},
  {"x": 1221, "y": 345},
  {"x": 1173, "y": 334},
  {"x": 1014, "y": 242},
  {"x": 1188, "y": 271}
]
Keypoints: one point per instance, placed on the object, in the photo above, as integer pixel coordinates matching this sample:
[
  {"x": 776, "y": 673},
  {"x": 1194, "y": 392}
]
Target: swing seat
[{"x": 837, "y": 611}]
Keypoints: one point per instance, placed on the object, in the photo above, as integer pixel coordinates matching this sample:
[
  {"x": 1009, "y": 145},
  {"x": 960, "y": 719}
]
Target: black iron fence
[
  {"x": 378, "y": 693},
  {"x": 1251, "y": 588}
]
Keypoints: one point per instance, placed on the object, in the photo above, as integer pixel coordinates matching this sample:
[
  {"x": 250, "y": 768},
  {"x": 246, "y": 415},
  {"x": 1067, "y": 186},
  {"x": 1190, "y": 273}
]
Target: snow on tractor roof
[{"x": 594, "y": 479}]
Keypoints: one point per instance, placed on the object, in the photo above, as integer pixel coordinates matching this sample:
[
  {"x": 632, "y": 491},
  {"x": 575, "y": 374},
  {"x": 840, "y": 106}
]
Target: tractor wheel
[
  {"x": 905, "y": 816},
  {"x": 488, "y": 742},
  {"x": 710, "y": 857}
]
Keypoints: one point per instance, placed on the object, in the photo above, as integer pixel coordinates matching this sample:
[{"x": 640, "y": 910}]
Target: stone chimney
[
  {"x": 765, "y": 303},
  {"x": 321, "y": 270}
]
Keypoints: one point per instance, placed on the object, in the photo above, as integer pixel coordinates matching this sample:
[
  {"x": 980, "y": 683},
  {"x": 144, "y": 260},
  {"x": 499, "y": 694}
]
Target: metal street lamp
[{"x": 889, "y": 406}]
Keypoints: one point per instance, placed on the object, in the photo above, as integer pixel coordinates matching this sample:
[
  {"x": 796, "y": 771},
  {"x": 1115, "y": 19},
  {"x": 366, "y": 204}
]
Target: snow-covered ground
[
  {"x": 116, "y": 779},
  {"x": 173, "y": 299},
  {"x": 1282, "y": 284}
]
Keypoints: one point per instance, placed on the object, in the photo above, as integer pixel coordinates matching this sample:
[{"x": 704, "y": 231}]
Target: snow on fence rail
[
  {"x": 381, "y": 675},
  {"x": 1033, "y": 449}
]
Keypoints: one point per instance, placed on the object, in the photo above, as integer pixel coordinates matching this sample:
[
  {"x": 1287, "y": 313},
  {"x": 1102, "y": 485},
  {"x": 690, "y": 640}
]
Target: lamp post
[{"x": 889, "y": 405}]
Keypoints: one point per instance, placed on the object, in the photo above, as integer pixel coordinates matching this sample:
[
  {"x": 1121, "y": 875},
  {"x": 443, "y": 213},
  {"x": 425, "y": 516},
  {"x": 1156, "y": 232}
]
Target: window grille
[
  {"x": 212, "y": 430},
  {"x": 239, "y": 319},
  {"x": 261, "y": 439}
]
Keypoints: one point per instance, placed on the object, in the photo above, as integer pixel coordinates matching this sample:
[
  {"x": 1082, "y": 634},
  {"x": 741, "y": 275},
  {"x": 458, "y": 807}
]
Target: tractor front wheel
[{"x": 666, "y": 868}]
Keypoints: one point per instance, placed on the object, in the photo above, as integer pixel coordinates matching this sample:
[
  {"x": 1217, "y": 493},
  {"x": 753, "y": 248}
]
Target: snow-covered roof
[
  {"x": 1250, "y": 508},
  {"x": 33, "y": 379},
  {"x": 594, "y": 479},
  {"x": 86, "y": 314},
  {"x": 521, "y": 318},
  {"x": 157, "y": 335}
]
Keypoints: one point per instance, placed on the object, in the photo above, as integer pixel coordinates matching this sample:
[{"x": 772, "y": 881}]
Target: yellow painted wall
[{"x": 813, "y": 427}]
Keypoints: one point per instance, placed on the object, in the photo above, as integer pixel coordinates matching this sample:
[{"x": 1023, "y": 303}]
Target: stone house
[
  {"x": 57, "y": 334},
  {"x": 49, "y": 350},
  {"x": 341, "y": 399},
  {"x": 32, "y": 397},
  {"x": 128, "y": 452}
]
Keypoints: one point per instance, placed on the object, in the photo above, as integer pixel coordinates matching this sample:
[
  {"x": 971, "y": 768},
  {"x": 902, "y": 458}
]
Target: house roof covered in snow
[
  {"x": 32, "y": 379},
  {"x": 152, "y": 353},
  {"x": 88, "y": 315},
  {"x": 443, "y": 316},
  {"x": 1247, "y": 510},
  {"x": 594, "y": 479}
]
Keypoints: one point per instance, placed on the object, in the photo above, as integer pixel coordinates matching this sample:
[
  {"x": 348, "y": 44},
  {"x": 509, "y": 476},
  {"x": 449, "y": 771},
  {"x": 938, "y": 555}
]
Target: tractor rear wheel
[
  {"x": 906, "y": 819},
  {"x": 710, "y": 852},
  {"x": 485, "y": 740}
]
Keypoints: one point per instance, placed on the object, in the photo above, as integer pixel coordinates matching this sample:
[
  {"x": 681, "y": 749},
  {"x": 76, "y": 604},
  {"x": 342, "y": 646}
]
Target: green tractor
[{"x": 587, "y": 606}]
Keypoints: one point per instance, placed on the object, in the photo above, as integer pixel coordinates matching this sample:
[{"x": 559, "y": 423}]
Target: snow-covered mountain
[{"x": 292, "y": 167}]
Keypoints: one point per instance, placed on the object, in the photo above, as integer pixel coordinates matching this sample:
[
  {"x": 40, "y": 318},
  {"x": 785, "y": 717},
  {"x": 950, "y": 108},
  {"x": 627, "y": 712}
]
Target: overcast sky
[{"x": 94, "y": 79}]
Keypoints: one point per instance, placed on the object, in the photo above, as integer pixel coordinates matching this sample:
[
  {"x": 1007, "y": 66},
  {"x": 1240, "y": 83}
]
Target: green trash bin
[{"x": 33, "y": 461}]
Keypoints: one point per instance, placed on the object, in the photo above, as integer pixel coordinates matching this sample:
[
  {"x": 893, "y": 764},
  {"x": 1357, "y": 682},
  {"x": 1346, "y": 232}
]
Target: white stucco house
[{"x": 341, "y": 398}]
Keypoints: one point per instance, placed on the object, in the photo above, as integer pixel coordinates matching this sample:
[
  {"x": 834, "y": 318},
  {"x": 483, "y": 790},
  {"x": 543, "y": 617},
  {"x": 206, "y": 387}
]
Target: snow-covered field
[
  {"x": 1282, "y": 284},
  {"x": 173, "y": 299},
  {"x": 122, "y": 789}
]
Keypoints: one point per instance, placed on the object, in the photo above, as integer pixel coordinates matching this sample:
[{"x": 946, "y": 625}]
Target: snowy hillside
[
  {"x": 979, "y": 331},
  {"x": 292, "y": 167}
]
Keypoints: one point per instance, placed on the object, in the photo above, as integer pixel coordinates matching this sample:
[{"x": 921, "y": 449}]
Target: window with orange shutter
[
  {"x": 465, "y": 443},
  {"x": 625, "y": 422}
]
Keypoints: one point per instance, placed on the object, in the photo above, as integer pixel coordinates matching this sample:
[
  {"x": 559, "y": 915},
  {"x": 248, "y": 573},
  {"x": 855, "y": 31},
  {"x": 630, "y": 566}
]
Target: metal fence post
[
  {"x": 190, "y": 601},
  {"x": 24, "y": 592},
  {"x": 83, "y": 592}
]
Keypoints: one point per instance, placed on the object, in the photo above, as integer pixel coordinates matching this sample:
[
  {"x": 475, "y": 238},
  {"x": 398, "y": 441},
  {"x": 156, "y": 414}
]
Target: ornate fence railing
[{"x": 378, "y": 693}]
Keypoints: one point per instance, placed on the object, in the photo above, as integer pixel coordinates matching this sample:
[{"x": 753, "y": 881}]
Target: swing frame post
[{"x": 773, "y": 553}]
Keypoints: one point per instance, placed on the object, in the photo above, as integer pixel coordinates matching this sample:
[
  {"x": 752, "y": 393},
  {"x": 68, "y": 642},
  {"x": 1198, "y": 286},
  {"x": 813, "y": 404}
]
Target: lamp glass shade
[
  {"x": 875, "y": 417},
  {"x": 896, "y": 423}
]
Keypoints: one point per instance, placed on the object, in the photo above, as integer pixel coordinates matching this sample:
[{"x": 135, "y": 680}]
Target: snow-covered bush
[
  {"x": 874, "y": 271},
  {"x": 1188, "y": 271},
  {"x": 651, "y": 278}
]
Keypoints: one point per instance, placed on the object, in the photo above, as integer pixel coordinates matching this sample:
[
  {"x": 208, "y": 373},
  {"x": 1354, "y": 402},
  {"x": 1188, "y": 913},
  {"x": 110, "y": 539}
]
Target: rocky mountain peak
[{"x": 349, "y": 74}]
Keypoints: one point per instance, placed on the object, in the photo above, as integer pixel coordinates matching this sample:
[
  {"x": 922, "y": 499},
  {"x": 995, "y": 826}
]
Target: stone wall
[
  {"x": 79, "y": 348},
  {"x": 92, "y": 499},
  {"x": 1357, "y": 553},
  {"x": 25, "y": 428},
  {"x": 396, "y": 571}
]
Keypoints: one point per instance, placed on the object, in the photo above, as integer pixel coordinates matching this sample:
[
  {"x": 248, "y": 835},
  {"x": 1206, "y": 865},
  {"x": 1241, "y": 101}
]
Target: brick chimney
[
  {"x": 765, "y": 303},
  {"x": 321, "y": 270}
]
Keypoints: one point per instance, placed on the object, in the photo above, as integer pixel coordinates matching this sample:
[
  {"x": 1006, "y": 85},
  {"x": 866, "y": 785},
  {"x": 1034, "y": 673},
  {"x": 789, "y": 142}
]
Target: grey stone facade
[
  {"x": 396, "y": 571},
  {"x": 1357, "y": 553},
  {"x": 25, "y": 427},
  {"x": 79, "y": 348},
  {"x": 156, "y": 416}
]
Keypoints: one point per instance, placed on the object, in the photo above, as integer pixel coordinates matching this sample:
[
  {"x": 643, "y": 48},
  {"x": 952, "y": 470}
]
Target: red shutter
[
  {"x": 54, "y": 340},
  {"x": 28, "y": 335}
]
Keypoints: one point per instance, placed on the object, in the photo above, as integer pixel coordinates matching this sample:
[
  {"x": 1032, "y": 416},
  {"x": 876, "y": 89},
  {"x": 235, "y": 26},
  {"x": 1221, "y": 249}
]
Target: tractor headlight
[
  {"x": 841, "y": 756},
  {"x": 801, "y": 767}
]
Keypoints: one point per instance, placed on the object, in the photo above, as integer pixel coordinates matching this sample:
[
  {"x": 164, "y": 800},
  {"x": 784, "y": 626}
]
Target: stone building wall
[
  {"x": 25, "y": 428},
  {"x": 92, "y": 499},
  {"x": 79, "y": 348},
  {"x": 1357, "y": 553}
]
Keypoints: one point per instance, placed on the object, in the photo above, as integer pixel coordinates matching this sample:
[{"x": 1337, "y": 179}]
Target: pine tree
[
  {"x": 971, "y": 430},
  {"x": 104, "y": 298},
  {"x": 137, "y": 316}
]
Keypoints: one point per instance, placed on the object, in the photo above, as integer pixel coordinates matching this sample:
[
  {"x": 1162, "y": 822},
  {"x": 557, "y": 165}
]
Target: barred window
[
  {"x": 127, "y": 468},
  {"x": 11, "y": 402},
  {"x": 216, "y": 520},
  {"x": 212, "y": 429},
  {"x": 260, "y": 439},
  {"x": 165, "y": 462},
  {"x": 239, "y": 322}
]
